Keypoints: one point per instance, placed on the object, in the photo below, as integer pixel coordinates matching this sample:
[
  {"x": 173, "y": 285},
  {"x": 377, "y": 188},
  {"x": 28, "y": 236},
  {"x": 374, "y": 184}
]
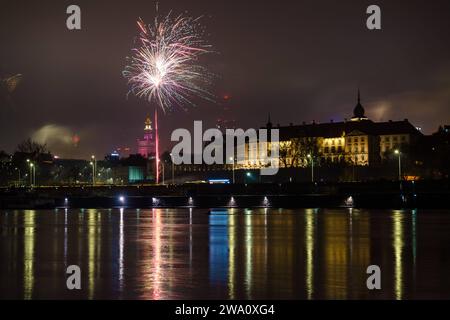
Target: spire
[
  {"x": 269, "y": 123},
  {"x": 148, "y": 124},
  {"x": 358, "y": 111}
]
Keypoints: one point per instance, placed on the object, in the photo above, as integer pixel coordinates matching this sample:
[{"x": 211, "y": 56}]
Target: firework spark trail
[{"x": 164, "y": 67}]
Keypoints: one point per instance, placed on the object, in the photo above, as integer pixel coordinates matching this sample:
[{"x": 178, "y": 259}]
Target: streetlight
[
  {"x": 397, "y": 152},
  {"x": 28, "y": 161},
  {"x": 93, "y": 172},
  {"x": 232, "y": 159},
  {"x": 312, "y": 167},
  {"x": 94, "y": 168},
  {"x": 18, "y": 170},
  {"x": 32, "y": 174},
  {"x": 173, "y": 169}
]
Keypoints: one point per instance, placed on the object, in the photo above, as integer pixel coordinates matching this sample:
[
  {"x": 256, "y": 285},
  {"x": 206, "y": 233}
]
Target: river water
[{"x": 189, "y": 253}]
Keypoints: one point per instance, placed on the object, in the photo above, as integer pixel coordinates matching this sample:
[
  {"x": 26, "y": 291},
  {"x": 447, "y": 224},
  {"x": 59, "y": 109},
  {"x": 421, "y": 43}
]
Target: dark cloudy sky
[{"x": 300, "y": 60}]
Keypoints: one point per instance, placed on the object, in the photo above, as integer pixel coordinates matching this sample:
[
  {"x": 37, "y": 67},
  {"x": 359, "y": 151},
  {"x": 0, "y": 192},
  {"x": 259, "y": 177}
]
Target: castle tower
[{"x": 146, "y": 146}]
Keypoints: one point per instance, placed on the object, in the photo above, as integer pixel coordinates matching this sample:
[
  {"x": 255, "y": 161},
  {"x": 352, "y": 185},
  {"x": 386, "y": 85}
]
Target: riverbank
[{"x": 386, "y": 194}]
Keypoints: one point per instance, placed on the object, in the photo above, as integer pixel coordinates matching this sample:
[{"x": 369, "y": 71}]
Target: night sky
[{"x": 298, "y": 60}]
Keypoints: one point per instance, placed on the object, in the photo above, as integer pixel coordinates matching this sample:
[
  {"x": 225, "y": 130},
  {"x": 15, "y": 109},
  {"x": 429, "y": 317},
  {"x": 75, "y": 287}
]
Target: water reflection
[
  {"x": 228, "y": 253},
  {"x": 397, "y": 243},
  {"x": 93, "y": 246},
  {"x": 231, "y": 253},
  {"x": 309, "y": 248},
  {"x": 29, "y": 236},
  {"x": 156, "y": 259},
  {"x": 218, "y": 247}
]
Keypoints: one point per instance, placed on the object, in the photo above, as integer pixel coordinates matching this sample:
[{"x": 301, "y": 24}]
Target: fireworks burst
[{"x": 164, "y": 67}]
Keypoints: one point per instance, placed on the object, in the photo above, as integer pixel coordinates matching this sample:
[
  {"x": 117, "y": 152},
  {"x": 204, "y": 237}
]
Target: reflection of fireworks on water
[{"x": 164, "y": 67}]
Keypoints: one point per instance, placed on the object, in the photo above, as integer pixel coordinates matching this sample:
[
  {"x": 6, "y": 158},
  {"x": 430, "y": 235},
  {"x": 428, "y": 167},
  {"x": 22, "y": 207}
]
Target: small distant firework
[
  {"x": 7, "y": 87},
  {"x": 164, "y": 67},
  {"x": 11, "y": 83}
]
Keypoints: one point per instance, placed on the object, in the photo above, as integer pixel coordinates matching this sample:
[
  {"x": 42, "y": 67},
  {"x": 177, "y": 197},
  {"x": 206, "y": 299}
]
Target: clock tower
[{"x": 146, "y": 146}]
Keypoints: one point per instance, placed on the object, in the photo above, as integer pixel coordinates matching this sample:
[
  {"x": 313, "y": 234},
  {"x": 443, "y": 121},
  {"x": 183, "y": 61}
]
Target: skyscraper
[{"x": 146, "y": 146}]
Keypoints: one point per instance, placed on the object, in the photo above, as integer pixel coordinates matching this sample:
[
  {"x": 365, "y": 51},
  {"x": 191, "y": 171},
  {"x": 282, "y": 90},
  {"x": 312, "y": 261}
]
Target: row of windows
[
  {"x": 356, "y": 139},
  {"x": 332, "y": 149},
  {"x": 333, "y": 142},
  {"x": 388, "y": 139},
  {"x": 360, "y": 158},
  {"x": 349, "y": 140},
  {"x": 339, "y": 149}
]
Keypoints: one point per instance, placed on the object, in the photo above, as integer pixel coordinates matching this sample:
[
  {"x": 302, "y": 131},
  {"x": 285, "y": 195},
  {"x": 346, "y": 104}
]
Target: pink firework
[{"x": 164, "y": 67}]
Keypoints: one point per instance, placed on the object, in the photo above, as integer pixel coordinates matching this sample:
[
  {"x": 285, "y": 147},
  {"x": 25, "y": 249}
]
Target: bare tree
[
  {"x": 289, "y": 153},
  {"x": 32, "y": 147}
]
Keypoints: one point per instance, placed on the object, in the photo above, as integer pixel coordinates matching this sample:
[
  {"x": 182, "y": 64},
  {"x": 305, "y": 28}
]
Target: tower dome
[
  {"x": 146, "y": 145},
  {"x": 148, "y": 124},
  {"x": 358, "y": 111}
]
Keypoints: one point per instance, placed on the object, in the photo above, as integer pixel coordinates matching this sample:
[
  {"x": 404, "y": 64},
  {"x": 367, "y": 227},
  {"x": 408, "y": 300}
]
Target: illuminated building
[
  {"x": 124, "y": 152},
  {"x": 146, "y": 146},
  {"x": 225, "y": 119},
  {"x": 358, "y": 141}
]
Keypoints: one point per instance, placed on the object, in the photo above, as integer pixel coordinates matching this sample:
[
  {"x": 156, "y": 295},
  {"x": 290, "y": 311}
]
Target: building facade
[
  {"x": 358, "y": 141},
  {"x": 146, "y": 145}
]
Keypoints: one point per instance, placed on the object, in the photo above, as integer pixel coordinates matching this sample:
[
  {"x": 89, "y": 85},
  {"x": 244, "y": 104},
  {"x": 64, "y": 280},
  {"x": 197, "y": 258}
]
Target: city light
[
  {"x": 397, "y": 152},
  {"x": 349, "y": 201},
  {"x": 219, "y": 181},
  {"x": 232, "y": 202},
  {"x": 93, "y": 163},
  {"x": 232, "y": 159}
]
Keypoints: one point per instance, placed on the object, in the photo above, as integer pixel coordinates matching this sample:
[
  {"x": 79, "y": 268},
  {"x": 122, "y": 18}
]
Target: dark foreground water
[{"x": 225, "y": 254}]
